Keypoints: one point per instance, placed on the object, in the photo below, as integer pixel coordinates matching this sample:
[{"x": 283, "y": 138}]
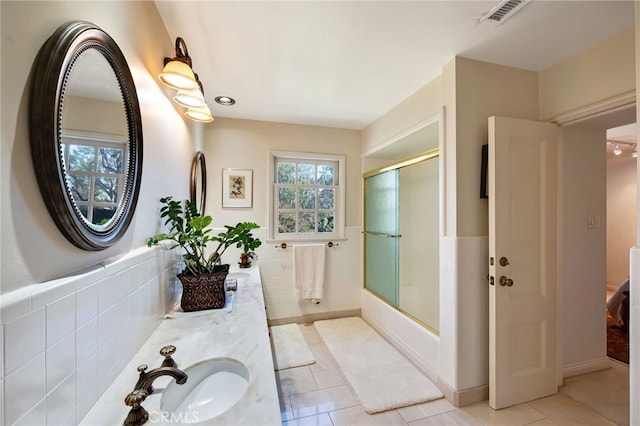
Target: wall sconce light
[
  {"x": 193, "y": 98},
  {"x": 202, "y": 114},
  {"x": 178, "y": 74}
]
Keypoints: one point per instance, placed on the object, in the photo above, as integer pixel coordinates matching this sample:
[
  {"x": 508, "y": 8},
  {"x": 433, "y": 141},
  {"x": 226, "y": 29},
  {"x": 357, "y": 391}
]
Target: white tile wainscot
[{"x": 241, "y": 334}]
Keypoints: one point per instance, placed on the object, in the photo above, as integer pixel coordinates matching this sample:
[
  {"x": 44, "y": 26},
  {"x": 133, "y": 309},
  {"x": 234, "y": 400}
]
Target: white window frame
[
  {"x": 97, "y": 140},
  {"x": 339, "y": 228}
]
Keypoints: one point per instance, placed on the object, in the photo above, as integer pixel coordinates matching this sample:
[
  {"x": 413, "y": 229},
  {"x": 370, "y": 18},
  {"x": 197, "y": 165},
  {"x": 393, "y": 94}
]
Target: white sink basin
[{"x": 213, "y": 387}]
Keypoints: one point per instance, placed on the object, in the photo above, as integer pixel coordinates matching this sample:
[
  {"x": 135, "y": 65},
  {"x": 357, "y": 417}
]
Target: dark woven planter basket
[{"x": 203, "y": 291}]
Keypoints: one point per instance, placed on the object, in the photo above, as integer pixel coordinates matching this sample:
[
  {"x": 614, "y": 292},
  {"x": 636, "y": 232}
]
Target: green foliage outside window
[
  {"x": 94, "y": 176},
  {"x": 305, "y": 197}
]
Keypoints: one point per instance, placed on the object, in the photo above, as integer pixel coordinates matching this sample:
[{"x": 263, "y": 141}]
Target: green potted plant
[
  {"x": 249, "y": 244},
  {"x": 203, "y": 275}
]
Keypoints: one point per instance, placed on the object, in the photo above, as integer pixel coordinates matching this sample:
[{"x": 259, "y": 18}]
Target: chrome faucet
[{"x": 138, "y": 415}]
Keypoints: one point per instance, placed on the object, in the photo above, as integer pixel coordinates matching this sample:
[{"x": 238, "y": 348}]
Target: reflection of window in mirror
[{"x": 95, "y": 173}]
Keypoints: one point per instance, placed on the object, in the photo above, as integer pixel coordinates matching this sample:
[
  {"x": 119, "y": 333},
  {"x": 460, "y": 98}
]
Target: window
[
  {"x": 307, "y": 196},
  {"x": 95, "y": 173}
]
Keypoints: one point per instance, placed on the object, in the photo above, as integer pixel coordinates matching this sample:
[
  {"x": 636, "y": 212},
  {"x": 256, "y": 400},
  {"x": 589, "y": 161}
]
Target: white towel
[{"x": 308, "y": 272}]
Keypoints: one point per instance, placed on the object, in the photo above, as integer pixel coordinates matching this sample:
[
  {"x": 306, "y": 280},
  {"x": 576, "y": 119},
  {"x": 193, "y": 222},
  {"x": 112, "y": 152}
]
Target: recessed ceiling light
[{"x": 225, "y": 100}]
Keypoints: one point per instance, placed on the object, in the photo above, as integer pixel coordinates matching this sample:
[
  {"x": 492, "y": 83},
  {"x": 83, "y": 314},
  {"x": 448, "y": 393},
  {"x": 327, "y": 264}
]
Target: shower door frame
[{"x": 430, "y": 154}]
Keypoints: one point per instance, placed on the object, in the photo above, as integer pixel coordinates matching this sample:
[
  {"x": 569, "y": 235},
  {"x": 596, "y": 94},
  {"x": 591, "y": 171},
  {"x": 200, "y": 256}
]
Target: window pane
[
  {"x": 307, "y": 198},
  {"x": 306, "y": 174},
  {"x": 325, "y": 174},
  {"x": 286, "y": 222},
  {"x": 84, "y": 210},
  {"x": 307, "y": 222},
  {"x": 82, "y": 157},
  {"x": 286, "y": 198},
  {"x": 110, "y": 160},
  {"x": 326, "y": 221},
  {"x": 79, "y": 186},
  {"x": 102, "y": 215},
  {"x": 106, "y": 190},
  {"x": 326, "y": 199},
  {"x": 286, "y": 173},
  {"x": 306, "y": 190}
]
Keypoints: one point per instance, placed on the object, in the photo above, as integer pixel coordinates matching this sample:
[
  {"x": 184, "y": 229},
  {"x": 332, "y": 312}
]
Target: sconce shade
[
  {"x": 178, "y": 75},
  {"x": 202, "y": 114},
  {"x": 190, "y": 98}
]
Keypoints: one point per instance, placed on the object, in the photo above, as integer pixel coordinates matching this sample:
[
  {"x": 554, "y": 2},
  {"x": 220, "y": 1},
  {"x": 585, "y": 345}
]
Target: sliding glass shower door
[
  {"x": 401, "y": 237},
  {"x": 381, "y": 235}
]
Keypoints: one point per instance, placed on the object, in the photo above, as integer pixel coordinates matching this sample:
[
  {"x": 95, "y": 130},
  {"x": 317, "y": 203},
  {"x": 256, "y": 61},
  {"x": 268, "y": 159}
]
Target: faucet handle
[
  {"x": 137, "y": 415},
  {"x": 166, "y": 352}
]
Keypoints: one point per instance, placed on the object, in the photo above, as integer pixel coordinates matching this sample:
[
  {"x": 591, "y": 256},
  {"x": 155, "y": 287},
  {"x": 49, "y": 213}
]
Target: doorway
[
  {"x": 621, "y": 230},
  {"x": 583, "y": 251}
]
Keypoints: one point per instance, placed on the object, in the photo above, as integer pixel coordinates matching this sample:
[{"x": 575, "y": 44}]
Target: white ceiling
[{"x": 346, "y": 63}]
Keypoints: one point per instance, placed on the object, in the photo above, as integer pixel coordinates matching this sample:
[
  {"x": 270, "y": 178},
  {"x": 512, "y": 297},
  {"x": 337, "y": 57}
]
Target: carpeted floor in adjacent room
[{"x": 617, "y": 341}]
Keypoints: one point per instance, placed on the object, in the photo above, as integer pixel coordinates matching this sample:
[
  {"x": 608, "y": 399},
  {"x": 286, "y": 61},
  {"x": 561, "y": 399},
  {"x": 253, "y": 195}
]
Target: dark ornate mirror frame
[
  {"x": 50, "y": 75},
  {"x": 198, "y": 169}
]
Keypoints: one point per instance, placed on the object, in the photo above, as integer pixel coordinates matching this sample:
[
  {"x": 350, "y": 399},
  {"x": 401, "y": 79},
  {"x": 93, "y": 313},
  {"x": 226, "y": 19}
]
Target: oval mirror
[
  {"x": 198, "y": 184},
  {"x": 86, "y": 135}
]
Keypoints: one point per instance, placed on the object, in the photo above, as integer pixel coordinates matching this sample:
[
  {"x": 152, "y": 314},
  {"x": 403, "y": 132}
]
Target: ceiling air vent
[{"x": 503, "y": 11}]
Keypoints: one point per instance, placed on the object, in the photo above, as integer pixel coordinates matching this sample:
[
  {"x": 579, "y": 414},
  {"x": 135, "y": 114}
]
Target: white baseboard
[
  {"x": 464, "y": 397},
  {"x": 586, "y": 367}
]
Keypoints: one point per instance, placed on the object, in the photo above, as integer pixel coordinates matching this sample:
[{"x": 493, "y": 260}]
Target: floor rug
[
  {"x": 381, "y": 377},
  {"x": 617, "y": 341},
  {"x": 289, "y": 347}
]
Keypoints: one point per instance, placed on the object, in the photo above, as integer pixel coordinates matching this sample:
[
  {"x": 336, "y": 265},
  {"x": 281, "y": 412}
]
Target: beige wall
[
  {"x": 576, "y": 85},
  {"x": 80, "y": 115},
  {"x": 417, "y": 108},
  {"x": 33, "y": 249},
  {"x": 582, "y": 253},
  {"x": 621, "y": 217},
  {"x": 483, "y": 90}
]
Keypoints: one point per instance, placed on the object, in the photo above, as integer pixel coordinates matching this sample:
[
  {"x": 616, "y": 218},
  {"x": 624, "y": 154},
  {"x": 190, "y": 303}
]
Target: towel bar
[{"x": 329, "y": 244}]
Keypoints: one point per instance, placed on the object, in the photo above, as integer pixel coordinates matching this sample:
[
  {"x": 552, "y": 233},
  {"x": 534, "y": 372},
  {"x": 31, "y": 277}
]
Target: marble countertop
[{"x": 241, "y": 334}]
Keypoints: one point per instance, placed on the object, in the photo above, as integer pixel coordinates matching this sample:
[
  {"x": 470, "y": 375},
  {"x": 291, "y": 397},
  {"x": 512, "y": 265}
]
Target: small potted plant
[
  {"x": 249, "y": 244},
  {"x": 203, "y": 275}
]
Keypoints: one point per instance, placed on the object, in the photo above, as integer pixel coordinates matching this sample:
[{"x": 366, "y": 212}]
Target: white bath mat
[
  {"x": 380, "y": 376},
  {"x": 289, "y": 347}
]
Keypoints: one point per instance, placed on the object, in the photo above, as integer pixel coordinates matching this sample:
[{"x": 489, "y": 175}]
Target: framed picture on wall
[
  {"x": 484, "y": 170},
  {"x": 237, "y": 188}
]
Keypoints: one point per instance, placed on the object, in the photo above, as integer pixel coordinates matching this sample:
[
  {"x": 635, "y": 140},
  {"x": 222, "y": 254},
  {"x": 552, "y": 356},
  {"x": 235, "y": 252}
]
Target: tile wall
[
  {"x": 342, "y": 279},
  {"x": 65, "y": 341}
]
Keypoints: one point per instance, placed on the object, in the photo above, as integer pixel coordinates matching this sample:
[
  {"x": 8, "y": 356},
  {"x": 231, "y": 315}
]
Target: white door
[{"x": 522, "y": 261}]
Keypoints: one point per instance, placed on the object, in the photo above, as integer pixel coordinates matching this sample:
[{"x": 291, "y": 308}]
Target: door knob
[
  {"x": 504, "y": 261},
  {"x": 504, "y": 281}
]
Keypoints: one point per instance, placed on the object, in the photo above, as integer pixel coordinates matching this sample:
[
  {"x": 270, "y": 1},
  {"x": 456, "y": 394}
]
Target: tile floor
[{"x": 319, "y": 395}]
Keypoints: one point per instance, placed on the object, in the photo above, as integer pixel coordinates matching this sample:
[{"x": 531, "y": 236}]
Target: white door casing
[{"x": 522, "y": 289}]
